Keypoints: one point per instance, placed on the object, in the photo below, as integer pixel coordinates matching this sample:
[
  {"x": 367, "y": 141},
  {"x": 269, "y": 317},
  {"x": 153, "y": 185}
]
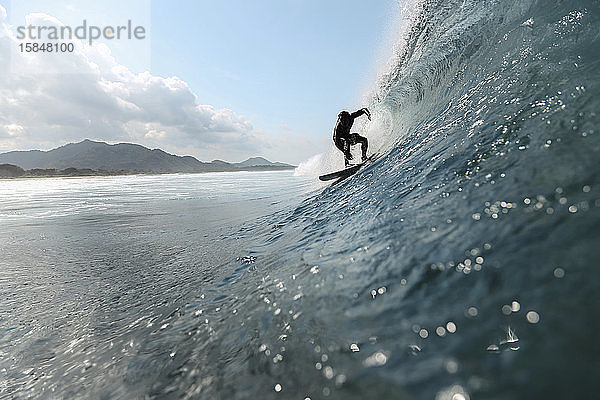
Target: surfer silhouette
[{"x": 342, "y": 137}]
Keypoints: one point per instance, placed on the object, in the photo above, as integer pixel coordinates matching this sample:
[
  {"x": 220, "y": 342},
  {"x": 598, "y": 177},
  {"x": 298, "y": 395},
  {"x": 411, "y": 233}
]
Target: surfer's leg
[
  {"x": 347, "y": 143},
  {"x": 344, "y": 146},
  {"x": 347, "y": 154},
  {"x": 364, "y": 144}
]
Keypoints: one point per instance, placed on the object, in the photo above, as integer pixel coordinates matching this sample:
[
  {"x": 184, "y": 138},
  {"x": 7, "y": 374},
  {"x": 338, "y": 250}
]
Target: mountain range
[{"x": 127, "y": 157}]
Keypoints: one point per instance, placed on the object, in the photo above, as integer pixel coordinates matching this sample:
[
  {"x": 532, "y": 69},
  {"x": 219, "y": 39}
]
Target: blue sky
[
  {"x": 278, "y": 62},
  {"x": 285, "y": 66}
]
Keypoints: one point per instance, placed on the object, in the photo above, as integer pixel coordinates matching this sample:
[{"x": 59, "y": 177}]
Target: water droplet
[
  {"x": 493, "y": 347},
  {"x": 533, "y": 317},
  {"x": 376, "y": 359},
  {"x": 414, "y": 349},
  {"x": 451, "y": 327},
  {"x": 559, "y": 272},
  {"x": 455, "y": 392},
  {"x": 515, "y": 306},
  {"x": 451, "y": 366}
]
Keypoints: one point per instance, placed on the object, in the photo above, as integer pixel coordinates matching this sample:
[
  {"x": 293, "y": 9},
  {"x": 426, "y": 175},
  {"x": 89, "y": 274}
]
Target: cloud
[
  {"x": 46, "y": 101},
  {"x": 11, "y": 130}
]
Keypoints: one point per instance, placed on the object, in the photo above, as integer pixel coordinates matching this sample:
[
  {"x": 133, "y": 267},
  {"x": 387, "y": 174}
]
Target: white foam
[
  {"x": 316, "y": 165},
  {"x": 308, "y": 167}
]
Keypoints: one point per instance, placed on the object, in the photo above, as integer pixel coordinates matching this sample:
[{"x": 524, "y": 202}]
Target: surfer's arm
[{"x": 360, "y": 112}]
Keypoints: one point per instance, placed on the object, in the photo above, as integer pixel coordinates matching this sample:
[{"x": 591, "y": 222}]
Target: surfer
[{"x": 342, "y": 137}]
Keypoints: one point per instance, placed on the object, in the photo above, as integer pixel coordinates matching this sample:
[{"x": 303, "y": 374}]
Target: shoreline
[{"x": 106, "y": 173}]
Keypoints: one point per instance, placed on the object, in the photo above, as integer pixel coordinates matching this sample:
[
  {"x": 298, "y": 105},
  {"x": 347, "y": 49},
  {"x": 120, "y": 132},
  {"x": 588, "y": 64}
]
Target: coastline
[{"x": 74, "y": 172}]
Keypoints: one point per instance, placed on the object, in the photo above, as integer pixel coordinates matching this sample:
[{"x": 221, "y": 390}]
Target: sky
[{"x": 212, "y": 79}]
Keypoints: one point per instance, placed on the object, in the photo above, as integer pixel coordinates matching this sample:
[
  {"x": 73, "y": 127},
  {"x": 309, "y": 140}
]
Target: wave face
[{"x": 462, "y": 262}]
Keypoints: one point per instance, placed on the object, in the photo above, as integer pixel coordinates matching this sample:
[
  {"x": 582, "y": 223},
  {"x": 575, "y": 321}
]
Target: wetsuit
[{"x": 342, "y": 137}]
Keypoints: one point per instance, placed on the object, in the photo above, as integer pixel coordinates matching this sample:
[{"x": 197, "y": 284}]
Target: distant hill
[
  {"x": 10, "y": 171},
  {"x": 257, "y": 161},
  {"x": 127, "y": 157}
]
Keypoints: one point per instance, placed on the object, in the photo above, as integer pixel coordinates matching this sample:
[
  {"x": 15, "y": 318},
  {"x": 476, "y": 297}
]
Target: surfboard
[{"x": 346, "y": 172}]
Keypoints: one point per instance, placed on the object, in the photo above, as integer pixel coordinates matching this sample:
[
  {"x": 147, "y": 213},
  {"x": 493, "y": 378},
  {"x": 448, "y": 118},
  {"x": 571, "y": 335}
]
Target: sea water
[
  {"x": 462, "y": 264},
  {"x": 96, "y": 272}
]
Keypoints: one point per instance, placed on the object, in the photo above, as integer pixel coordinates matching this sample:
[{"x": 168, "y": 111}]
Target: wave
[
  {"x": 489, "y": 184},
  {"x": 460, "y": 264}
]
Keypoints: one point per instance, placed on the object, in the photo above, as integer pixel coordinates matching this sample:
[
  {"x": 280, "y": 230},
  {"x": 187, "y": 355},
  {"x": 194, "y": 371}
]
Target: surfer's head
[{"x": 344, "y": 116}]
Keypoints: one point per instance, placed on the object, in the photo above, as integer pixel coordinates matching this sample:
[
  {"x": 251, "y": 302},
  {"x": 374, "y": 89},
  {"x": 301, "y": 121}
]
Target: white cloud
[
  {"x": 43, "y": 107},
  {"x": 11, "y": 131}
]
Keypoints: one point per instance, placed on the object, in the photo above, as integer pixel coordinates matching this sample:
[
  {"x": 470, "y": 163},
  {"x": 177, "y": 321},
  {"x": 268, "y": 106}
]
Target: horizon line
[{"x": 137, "y": 144}]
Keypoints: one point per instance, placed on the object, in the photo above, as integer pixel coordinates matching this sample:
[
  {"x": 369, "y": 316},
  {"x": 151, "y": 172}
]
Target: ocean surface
[{"x": 461, "y": 264}]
